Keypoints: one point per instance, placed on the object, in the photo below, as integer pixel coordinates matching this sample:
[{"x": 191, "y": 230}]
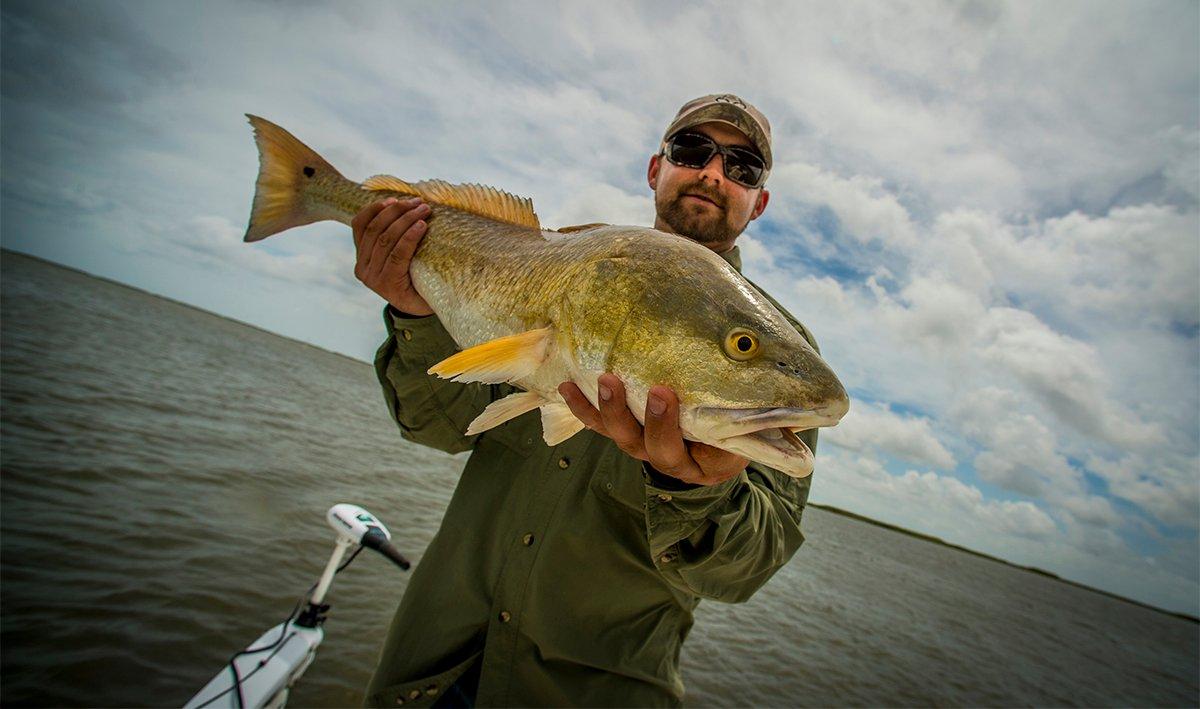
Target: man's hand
[
  {"x": 386, "y": 235},
  {"x": 661, "y": 442}
]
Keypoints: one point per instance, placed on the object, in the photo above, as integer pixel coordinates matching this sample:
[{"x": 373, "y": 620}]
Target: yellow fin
[
  {"x": 505, "y": 409},
  {"x": 477, "y": 199},
  {"x": 502, "y": 360},
  {"x": 559, "y": 424}
]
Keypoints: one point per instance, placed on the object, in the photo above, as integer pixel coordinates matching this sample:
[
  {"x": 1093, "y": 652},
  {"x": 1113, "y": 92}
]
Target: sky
[{"x": 986, "y": 212}]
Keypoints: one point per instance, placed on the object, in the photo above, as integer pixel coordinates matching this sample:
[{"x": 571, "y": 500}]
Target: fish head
[{"x": 747, "y": 381}]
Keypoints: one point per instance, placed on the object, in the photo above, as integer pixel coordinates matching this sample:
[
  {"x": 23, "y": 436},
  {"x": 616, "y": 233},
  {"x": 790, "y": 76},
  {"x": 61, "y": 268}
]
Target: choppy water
[{"x": 164, "y": 473}]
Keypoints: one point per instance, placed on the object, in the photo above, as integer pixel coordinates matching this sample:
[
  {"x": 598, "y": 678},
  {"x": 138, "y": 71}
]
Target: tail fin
[{"x": 285, "y": 168}]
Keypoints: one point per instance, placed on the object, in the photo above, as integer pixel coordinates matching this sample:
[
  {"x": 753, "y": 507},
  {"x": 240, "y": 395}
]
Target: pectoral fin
[
  {"x": 503, "y": 360},
  {"x": 559, "y": 424},
  {"x": 505, "y": 409}
]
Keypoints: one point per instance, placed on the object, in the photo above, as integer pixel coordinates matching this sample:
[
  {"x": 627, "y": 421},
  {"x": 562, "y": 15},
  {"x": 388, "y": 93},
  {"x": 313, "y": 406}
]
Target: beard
[{"x": 697, "y": 222}]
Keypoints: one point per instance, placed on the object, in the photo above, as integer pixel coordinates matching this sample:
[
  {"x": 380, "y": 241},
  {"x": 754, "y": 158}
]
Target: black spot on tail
[{"x": 308, "y": 171}]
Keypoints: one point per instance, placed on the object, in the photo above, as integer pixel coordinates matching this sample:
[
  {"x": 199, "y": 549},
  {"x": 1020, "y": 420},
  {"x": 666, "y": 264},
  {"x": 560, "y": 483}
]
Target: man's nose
[{"x": 714, "y": 171}]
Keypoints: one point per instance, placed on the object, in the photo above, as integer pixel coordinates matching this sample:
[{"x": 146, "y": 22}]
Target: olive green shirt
[{"x": 570, "y": 572}]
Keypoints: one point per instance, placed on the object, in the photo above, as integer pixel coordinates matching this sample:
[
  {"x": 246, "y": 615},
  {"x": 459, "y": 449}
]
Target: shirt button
[
  {"x": 414, "y": 694},
  {"x": 664, "y": 497},
  {"x": 665, "y": 558},
  {"x": 406, "y": 334},
  {"x": 505, "y": 616},
  {"x": 527, "y": 540},
  {"x": 431, "y": 690},
  {"x": 564, "y": 463}
]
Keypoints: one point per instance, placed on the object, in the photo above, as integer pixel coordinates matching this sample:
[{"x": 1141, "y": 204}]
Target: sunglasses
[{"x": 694, "y": 150}]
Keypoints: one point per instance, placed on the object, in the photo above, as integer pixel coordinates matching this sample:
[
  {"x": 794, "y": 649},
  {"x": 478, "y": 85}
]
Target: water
[{"x": 163, "y": 476}]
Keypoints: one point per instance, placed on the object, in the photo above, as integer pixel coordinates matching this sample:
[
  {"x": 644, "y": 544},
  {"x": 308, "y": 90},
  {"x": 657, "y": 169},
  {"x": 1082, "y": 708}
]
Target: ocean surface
[{"x": 164, "y": 475}]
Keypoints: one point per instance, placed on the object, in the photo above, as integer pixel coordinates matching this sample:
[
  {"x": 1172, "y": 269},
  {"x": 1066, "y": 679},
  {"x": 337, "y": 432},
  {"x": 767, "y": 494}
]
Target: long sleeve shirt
[{"x": 569, "y": 574}]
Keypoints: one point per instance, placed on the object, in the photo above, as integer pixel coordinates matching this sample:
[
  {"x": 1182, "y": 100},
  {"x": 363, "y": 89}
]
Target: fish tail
[{"x": 289, "y": 175}]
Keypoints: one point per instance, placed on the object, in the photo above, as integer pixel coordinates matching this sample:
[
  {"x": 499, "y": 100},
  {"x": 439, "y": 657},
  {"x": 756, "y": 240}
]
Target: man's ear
[
  {"x": 763, "y": 197},
  {"x": 652, "y": 171}
]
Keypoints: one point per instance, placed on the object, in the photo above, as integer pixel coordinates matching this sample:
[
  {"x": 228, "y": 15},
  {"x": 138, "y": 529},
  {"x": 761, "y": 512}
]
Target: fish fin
[
  {"x": 559, "y": 424},
  {"x": 477, "y": 199},
  {"x": 285, "y": 167},
  {"x": 579, "y": 227},
  {"x": 502, "y": 360},
  {"x": 388, "y": 183},
  {"x": 505, "y": 409}
]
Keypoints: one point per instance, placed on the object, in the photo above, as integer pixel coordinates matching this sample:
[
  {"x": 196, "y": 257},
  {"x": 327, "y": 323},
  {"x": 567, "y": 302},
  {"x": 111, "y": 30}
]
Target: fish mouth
[{"x": 769, "y": 435}]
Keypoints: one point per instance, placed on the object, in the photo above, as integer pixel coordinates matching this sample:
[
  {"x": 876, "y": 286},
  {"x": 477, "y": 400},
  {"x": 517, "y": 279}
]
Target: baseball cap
[{"x": 725, "y": 108}]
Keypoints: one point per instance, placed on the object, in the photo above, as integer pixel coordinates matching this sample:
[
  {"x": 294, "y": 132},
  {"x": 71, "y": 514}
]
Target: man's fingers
[
  {"x": 360, "y": 221},
  {"x": 665, "y": 446},
  {"x": 364, "y": 238},
  {"x": 379, "y": 224},
  {"x": 718, "y": 465},
  {"x": 619, "y": 421},
  {"x": 402, "y": 253},
  {"x": 403, "y": 217},
  {"x": 580, "y": 406}
]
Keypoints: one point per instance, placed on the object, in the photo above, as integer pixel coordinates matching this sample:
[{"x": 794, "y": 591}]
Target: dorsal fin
[{"x": 476, "y": 199}]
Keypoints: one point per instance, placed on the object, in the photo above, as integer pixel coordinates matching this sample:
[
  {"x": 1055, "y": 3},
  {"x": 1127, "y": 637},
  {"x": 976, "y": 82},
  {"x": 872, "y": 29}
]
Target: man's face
[{"x": 702, "y": 204}]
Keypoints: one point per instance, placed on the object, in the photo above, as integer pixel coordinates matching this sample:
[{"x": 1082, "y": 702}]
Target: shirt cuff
[
  {"x": 418, "y": 336},
  {"x": 664, "y": 481},
  {"x": 675, "y": 499}
]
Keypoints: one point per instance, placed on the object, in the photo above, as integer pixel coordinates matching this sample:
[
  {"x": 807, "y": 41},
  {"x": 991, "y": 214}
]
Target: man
[{"x": 568, "y": 575}]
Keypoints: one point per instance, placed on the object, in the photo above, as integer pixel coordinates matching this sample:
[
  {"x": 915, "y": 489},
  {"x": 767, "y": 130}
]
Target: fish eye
[{"x": 741, "y": 344}]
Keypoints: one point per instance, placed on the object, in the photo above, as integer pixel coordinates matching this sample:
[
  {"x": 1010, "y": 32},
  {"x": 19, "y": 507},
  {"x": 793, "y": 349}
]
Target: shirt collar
[{"x": 734, "y": 258}]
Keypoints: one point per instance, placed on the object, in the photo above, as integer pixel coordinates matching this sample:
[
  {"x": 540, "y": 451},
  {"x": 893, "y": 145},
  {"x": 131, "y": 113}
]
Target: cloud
[
  {"x": 1063, "y": 373},
  {"x": 865, "y": 210},
  {"x": 930, "y": 502},
  {"x": 1133, "y": 265},
  {"x": 879, "y": 429},
  {"x": 1166, "y": 486},
  {"x": 599, "y": 202},
  {"x": 217, "y": 242}
]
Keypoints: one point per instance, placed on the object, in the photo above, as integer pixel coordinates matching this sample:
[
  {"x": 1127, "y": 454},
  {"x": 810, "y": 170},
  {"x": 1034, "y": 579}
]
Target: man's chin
[{"x": 702, "y": 228}]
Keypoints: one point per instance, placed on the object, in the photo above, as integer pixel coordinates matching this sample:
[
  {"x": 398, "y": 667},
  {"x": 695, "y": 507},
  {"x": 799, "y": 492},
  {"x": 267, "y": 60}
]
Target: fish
[{"x": 534, "y": 307}]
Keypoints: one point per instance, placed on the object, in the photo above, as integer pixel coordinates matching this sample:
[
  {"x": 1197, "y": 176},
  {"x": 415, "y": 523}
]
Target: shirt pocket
[
  {"x": 618, "y": 481},
  {"x": 518, "y": 435}
]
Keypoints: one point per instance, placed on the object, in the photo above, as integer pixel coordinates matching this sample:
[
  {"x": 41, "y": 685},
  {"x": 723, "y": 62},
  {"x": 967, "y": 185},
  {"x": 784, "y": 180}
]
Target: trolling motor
[{"x": 263, "y": 673}]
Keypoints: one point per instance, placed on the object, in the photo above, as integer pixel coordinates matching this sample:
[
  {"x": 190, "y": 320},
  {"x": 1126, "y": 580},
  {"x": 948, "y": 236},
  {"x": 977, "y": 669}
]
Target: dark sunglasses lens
[
  {"x": 691, "y": 150},
  {"x": 744, "y": 167}
]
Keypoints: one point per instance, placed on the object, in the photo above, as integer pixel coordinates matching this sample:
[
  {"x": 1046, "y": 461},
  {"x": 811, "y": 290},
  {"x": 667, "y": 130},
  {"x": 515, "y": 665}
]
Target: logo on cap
[{"x": 730, "y": 98}]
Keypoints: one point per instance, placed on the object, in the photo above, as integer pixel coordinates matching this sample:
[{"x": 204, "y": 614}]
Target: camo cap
[{"x": 729, "y": 109}]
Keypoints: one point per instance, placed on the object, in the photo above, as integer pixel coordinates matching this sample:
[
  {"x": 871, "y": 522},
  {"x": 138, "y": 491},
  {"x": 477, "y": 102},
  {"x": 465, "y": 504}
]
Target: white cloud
[
  {"x": 1063, "y": 373},
  {"x": 1166, "y": 486},
  {"x": 219, "y": 242},
  {"x": 599, "y": 202},
  {"x": 929, "y": 502},
  {"x": 879, "y": 429},
  {"x": 867, "y": 211}
]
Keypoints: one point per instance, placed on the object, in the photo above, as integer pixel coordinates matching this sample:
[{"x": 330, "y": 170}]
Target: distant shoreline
[
  {"x": 1031, "y": 569},
  {"x": 828, "y": 508},
  {"x": 160, "y": 296}
]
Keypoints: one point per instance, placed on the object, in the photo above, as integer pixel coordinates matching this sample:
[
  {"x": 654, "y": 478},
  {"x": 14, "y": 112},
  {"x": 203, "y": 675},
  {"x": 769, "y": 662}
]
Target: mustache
[{"x": 702, "y": 190}]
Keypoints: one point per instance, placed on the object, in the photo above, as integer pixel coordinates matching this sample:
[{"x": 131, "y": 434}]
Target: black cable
[{"x": 237, "y": 678}]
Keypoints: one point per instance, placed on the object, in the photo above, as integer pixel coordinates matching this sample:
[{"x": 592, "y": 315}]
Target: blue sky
[{"x": 986, "y": 212}]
